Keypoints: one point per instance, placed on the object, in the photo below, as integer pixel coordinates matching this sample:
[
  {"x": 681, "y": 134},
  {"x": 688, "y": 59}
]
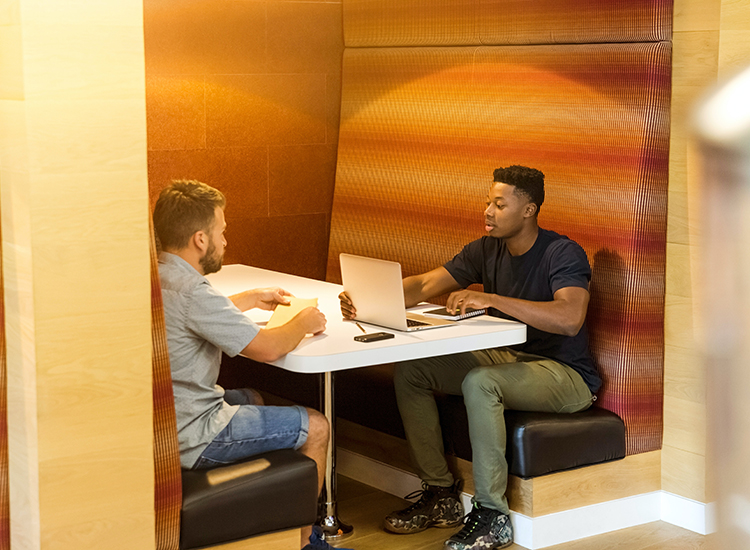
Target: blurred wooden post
[
  {"x": 723, "y": 124},
  {"x": 76, "y": 270}
]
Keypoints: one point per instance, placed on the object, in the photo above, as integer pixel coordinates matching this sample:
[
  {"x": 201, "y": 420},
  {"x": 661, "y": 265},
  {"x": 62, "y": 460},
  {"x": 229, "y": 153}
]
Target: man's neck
[
  {"x": 191, "y": 258},
  {"x": 522, "y": 242}
]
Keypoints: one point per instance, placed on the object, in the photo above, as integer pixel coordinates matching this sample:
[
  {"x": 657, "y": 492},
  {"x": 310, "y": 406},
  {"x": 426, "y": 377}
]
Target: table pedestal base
[
  {"x": 333, "y": 528},
  {"x": 328, "y": 520}
]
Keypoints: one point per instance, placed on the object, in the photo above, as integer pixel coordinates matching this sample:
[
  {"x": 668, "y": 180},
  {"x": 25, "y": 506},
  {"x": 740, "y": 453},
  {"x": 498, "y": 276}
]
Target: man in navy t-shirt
[{"x": 528, "y": 274}]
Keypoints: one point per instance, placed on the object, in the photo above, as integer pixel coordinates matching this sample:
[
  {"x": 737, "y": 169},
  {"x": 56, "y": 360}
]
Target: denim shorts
[{"x": 254, "y": 430}]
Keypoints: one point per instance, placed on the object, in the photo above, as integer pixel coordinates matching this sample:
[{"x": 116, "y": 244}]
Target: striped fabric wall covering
[
  {"x": 422, "y": 130},
  {"x": 4, "y": 489},
  {"x": 391, "y": 23},
  {"x": 167, "y": 473}
]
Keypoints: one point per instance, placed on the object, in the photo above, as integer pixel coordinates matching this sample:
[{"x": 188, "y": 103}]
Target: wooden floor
[{"x": 364, "y": 507}]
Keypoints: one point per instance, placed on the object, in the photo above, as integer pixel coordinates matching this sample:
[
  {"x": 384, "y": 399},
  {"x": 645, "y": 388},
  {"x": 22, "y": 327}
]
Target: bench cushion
[
  {"x": 542, "y": 443},
  {"x": 270, "y": 492}
]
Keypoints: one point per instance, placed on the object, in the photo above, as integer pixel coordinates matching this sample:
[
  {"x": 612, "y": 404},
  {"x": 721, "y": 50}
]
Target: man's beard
[{"x": 211, "y": 262}]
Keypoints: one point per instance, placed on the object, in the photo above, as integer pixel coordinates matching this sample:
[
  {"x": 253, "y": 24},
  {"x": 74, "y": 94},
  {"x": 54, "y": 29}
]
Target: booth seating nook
[{"x": 434, "y": 98}]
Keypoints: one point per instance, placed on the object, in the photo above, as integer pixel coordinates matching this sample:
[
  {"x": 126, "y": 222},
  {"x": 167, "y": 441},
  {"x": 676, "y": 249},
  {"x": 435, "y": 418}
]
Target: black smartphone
[{"x": 373, "y": 337}]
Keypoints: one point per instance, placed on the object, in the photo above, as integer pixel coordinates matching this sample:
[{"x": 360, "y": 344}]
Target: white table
[{"x": 336, "y": 349}]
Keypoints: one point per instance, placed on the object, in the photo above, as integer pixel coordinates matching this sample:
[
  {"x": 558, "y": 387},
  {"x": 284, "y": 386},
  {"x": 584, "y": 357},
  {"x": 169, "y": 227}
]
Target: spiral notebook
[{"x": 442, "y": 313}]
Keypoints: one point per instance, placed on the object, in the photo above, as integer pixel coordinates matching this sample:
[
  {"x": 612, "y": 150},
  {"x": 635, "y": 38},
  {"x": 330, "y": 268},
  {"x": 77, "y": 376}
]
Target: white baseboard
[
  {"x": 688, "y": 514},
  {"x": 552, "y": 529}
]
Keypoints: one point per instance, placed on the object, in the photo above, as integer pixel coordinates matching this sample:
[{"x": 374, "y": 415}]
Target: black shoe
[
  {"x": 484, "y": 529},
  {"x": 436, "y": 507}
]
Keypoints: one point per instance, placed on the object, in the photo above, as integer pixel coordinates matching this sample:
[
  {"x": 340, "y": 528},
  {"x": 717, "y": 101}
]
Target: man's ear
[
  {"x": 200, "y": 240},
  {"x": 530, "y": 210}
]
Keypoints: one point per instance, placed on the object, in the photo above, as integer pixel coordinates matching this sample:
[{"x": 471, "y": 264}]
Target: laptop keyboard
[{"x": 413, "y": 323}]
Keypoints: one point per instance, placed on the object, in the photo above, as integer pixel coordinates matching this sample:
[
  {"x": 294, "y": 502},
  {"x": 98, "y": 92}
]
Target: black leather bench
[
  {"x": 538, "y": 443},
  {"x": 269, "y": 492}
]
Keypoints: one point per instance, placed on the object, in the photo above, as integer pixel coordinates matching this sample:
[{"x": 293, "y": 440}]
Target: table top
[{"x": 336, "y": 348}]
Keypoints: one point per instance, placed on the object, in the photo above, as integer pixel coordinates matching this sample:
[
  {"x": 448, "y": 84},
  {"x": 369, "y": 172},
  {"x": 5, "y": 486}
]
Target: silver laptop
[{"x": 376, "y": 289}]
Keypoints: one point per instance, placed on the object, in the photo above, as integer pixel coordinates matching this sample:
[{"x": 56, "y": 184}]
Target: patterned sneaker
[
  {"x": 436, "y": 507},
  {"x": 483, "y": 529}
]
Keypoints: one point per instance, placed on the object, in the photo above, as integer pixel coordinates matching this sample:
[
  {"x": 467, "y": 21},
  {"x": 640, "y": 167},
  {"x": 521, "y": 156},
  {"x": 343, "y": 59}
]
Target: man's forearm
[
  {"x": 564, "y": 314},
  {"x": 272, "y": 344},
  {"x": 428, "y": 285},
  {"x": 554, "y": 317},
  {"x": 244, "y": 300}
]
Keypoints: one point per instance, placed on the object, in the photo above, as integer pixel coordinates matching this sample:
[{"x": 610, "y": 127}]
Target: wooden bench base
[{"x": 283, "y": 540}]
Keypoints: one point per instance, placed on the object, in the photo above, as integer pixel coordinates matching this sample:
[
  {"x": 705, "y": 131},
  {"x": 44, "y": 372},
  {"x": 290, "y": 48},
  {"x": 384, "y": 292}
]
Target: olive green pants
[{"x": 490, "y": 381}]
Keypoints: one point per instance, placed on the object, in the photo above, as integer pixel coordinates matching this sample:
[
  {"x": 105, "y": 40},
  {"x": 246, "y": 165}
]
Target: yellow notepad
[{"x": 284, "y": 313}]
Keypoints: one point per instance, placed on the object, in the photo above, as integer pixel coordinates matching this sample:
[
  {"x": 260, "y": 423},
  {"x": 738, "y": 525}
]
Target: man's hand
[
  {"x": 273, "y": 343},
  {"x": 269, "y": 298},
  {"x": 463, "y": 299},
  {"x": 311, "y": 320},
  {"x": 347, "y": 307},
  {"x": 262, "y": 298}
]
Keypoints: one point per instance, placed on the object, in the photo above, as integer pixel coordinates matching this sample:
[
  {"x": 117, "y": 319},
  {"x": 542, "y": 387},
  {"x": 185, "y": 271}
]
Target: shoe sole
[
  {"x": 409, "y": 531},
  {"x": 506, "y": 545}
]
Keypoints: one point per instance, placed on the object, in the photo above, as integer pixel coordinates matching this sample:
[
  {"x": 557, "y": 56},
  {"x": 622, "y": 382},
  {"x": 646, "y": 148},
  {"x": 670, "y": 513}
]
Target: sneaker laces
[
  {"x": 424, "y": 494},
  {"x": 474, "y": 521}
]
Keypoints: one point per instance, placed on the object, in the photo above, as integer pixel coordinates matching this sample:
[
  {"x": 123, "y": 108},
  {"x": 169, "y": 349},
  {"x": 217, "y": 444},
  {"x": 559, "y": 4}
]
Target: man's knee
[
  {"x": 318, "y": 430},
  {"x": 409, "y": 374},
  {"x": 481, "y": 382}
]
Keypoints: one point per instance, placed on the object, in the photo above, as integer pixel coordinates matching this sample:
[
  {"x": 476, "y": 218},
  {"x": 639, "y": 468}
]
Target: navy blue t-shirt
[{"x": 552, "y": 263}]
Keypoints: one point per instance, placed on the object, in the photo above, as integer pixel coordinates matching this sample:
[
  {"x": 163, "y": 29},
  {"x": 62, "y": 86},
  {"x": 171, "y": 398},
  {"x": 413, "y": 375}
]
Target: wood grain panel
[
  {"x": 678, "y": 322},
  {"x": 734, "y": 52},
  {"x": 11, "y": 68},
  {"x": 678, "y": 270},
  {"x": 74, "y": 72},
  {"x": 694, "y": 60},
  {"x": 687, "y": 429},
  {"x": 633, "y": 475},
  {"x": 735, "y": 16},
  {"x": 686, "y": 377},
  {"x": 684, "y": 473},
  {"x": 77, "y": 285},
  {"x": 285, "y": 540},
  {"x": 696, "y": 15}
]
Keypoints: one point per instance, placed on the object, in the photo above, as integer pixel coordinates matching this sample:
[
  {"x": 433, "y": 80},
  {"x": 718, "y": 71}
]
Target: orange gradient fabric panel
[
  {"x": 391, "y": 23},
  {"x": 167, "y": 473},
  {"x": 423, "y": 129}
]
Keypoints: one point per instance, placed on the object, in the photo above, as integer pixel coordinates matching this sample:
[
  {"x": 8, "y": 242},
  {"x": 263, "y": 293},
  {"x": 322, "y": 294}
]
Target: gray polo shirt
[{"x": 201, "y": 323}]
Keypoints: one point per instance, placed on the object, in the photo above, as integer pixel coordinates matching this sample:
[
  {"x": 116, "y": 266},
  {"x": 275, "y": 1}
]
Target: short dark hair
[
  {"x": 183, "y": 208},
  {"x": 528, "y": 181}
]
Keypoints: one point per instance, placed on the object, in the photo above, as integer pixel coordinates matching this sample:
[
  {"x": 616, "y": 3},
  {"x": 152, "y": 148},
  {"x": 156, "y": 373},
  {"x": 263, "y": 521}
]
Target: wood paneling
[
  {"x": 75, "y": 236},
  {"x": 711, "y": 41},
  {"x": 633, "y": 475},
  {"x": 285, "y": 540}
]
